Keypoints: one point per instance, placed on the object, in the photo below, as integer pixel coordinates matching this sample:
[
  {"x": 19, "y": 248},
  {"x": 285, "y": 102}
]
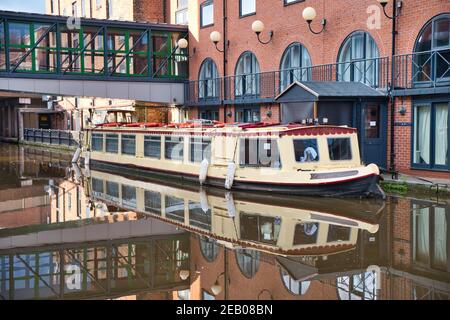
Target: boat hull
[{"x": 365, "y": 186}]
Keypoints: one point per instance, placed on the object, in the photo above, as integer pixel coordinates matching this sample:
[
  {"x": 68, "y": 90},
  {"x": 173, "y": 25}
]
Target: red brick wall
[{"x": 150, "y": 10}]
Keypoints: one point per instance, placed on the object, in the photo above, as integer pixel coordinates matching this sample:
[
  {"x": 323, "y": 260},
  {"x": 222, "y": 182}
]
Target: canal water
[{"x": 81, "y": 233}]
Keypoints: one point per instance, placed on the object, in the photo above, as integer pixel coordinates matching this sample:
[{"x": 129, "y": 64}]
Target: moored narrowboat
[{"x": 314, "y": 160}]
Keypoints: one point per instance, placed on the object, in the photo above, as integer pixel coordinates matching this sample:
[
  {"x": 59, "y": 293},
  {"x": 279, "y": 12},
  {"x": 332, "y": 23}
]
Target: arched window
[
  {"x": 432, "y": 51},
  {"x": 295, "y": 65},
  {"x": 358, "y": 59},
  {"x": 357, "y": 287},
  {"x": 208, "y": 80},
  {"x": 248, "y": 262},
  {"x": 294, "y": 286},
  {"x": 209, "y": 248},
  {"x": 246, "y": 82}
]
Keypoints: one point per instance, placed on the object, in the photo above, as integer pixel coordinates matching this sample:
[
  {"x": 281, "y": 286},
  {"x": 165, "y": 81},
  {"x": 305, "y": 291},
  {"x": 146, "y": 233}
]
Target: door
[
  {"x": 373, "y": 133},
  {"x": 44, "y": 121}
]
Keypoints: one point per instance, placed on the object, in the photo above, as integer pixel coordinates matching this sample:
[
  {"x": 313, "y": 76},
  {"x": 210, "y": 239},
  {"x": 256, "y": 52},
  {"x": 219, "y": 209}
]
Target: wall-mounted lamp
[
  {"x": 269, "y": 113},
  {"x": 183, "y": 44},
  {"x": 396, "y": 13},
  {"x": 184, "y": 274},
  {"x": 402, "y": 110},
  {"x": 216, "y": 289},
  {"x": 229, "y": 114},
  {"x": 258, "y": 27},
  {"x": 215, "y": 37},
  {"x": 309, "y": 14}
]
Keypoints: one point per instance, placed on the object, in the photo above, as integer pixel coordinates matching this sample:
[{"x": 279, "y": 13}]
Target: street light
[
  {"x": 258, "y": 27},
  {"x": 183, "y": 44},
  {"x": 309, "y": 14},
  {"x": 215, "y": 37},
  {"x": 216, "y": 289},
  {"x": 397, "y": 4}
]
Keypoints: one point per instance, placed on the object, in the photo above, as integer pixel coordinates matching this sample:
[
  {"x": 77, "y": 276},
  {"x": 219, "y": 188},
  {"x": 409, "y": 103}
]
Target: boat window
[
  {"x": 200, "y": 149},
  {"x": 306, "y": 150},
  {"x": 198, "y": 217},
  {"x": 112, "y": 143},
  {"x": 306, "y": 233},
  {"x": 112, "y": 189},
  {"x": 174, "y": 148},
  {"x": 97, "y": 185},
  {"x": 97, "y": 142},
  {"x": 259, "y": 228},
  {"x": 259, "y": 153},
  {"x": 152, "y": 146},
  {"x": 129, "y": 144},
  {"x": 129, "y": 196},
  {"x": 175, "y": 208},
  {"x": 152, "y": 202},
  {"x": 339, "y": 149},
  {"x": 338, "y": 233}
]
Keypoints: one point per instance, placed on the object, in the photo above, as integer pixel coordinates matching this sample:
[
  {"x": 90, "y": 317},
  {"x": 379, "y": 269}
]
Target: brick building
[{"x": 251, "y": 81}]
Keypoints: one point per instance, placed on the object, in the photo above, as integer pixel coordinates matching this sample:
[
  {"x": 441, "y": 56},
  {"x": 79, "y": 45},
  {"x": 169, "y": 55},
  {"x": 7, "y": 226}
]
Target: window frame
[
  {"x": 182, "y": 138},
  {"x": 287, "y": 51},
  {"x": 203, "y": 81},
  {"x": 160, "y": 146},
  {"x": 317, "y": 150},
  {"x": 106, "y": 144},
  {"x": 127, "y": 138},
  {"x": 350, "y": 145},
  {"x": 195, "y": 140},
  {"x": 258, "y": 165},
  {"x": 202, "y": 6},
  {"x": 247, "y": 14},
  {"x": 241, "y": 82},
  {"x": 285, "y": 3},
  {"x": 103, "y": 142}
]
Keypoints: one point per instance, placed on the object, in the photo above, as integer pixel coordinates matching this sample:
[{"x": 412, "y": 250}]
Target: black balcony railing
[
  {"x": 265, "y": 86},
  {"x": 55, "y": 137},
  {"x": 422, "y": 69}
]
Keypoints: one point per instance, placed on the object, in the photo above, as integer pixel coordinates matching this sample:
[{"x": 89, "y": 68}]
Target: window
[
  {"x": 208, "y": 80},
  {"x": 338, "y": 233},
  {"x": 112, "y": 143},
  {"x": 181, "y": 15},
  {"x": 209, "y": 248},
  {"x": 174, "y": 148},
  {"x": 259, "y": 153},
  {"x": 431, "y": 135},
  {"x": 306, "y": 233},
  {"x": 286, "y": 2},
  {"x": 247, "y": 79},
  {"x": 358, "y": 59},
  {"x": 295, "y": 65},
  {"x": 98, "y": 3},
  {"x": 357, "y": 287},
  {"x": 152, "y": 146},
  {"x": 97, "y": 185},
  {"x": 74, "y": 9},
  {"x": 432, "y": 51},
  {"x": 129, "y": 144},
  {"x": 248, "y": 261},
  {"x": 112, "y": 190},
  {"x": 199, "y": 216},
  {"x": 294, "y": 286},
  {"x": 200, "y": 148},
  {"x": 206, "y": 14},
  {"x": 174, "y": 208},
  {"x": 152, "y": 201},
  {"x": 97, "y": 142},
  {"x": 247, "y": 7},
  {"x": 129, "y": 196},
  {"x": 259, "y": 228},
  {"x": 209, "y": 113},
  {"x": 83, "y": 8},
  {"x": 248, "y": 114},
  {"x": 339, "y": 149},
  {"x": 207, "y": 295},
  {"x": 110, "y": 8},
  {"x": 306, "y": 150}
]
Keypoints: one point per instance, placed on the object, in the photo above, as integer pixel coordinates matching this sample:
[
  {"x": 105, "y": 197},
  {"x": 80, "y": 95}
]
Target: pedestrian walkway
[{"x": 418, "y": 180}]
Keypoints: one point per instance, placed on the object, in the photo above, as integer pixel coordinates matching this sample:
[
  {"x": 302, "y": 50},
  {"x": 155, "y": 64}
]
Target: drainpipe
[
  {"x": 391, "y": 98},
  {"x": 225, "y": 40}
]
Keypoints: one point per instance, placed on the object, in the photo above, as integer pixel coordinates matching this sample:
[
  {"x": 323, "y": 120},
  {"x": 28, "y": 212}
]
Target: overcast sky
[{"x": 37, "y": 6}]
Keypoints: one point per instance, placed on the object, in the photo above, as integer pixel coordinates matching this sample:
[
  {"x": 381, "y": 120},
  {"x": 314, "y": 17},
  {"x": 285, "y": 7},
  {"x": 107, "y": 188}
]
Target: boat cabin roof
[{"x": 253, "y": 129}]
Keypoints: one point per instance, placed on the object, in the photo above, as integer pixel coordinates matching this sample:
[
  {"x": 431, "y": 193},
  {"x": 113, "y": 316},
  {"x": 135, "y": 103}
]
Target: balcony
[
  {"x": 421, "y": 71},
  {"x": 264, "y": 87}
]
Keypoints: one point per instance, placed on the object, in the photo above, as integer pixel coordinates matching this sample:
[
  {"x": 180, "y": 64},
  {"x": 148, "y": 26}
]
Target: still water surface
[{"x": 71, "y": 233}]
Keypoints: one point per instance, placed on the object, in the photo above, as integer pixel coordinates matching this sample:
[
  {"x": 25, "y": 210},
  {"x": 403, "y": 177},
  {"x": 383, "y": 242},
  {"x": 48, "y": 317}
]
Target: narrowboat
[
  {"x": 295, "y": 226},
  {"x": 312, "y": 160}
]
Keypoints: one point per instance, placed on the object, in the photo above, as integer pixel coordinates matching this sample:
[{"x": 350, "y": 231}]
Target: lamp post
[
  {"x": 396, "y": 4},
  {"x": 309, "y": 14},
  {"x": 258, "y": 27},
  {"x": 183, "y": 44}
]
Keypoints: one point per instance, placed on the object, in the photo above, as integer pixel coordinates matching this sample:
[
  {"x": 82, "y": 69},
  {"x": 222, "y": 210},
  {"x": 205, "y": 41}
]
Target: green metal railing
[{"x": 52, "y": 46}]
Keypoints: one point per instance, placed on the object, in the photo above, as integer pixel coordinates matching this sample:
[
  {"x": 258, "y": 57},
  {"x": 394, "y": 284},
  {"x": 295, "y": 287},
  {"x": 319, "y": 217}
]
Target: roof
[{"x": 315, "y": 90}]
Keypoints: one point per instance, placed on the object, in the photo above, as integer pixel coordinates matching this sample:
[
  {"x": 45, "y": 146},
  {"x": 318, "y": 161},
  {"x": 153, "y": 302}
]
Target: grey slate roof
[{"x": 315, "y": 90}]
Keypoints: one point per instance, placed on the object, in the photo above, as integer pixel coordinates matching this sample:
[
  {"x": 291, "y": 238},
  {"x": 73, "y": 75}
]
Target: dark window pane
[
  {"x": 112, "y": 143},
  {"x": 306, "y": 150},
  {"x": 338, "y": 233},
  {"x": 259, "y": 153},
  {"x": 152, "y": 202},
  {"x": 306, "y": 233},
  {"x": 175, "y": 208},
  {"x": 97, "y": 185},
  {"x": 339, "y": 149},
  {"x": 152, "y": 146},
  {"x": 174, "y": 148},
  {"x": 198, "y": 217},
  {"x": 129, "y": 196},
  {"x": 97, "y": 142},
  {"x": 200, "y": 148},
  {"x": 129, "y": 144},
  {"x": 112, "y": 190}
]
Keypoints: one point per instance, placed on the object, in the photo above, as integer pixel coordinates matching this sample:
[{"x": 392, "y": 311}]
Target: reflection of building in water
[
  {"x": 233, "y": 245},
  {"x": 99, "y": 270}
]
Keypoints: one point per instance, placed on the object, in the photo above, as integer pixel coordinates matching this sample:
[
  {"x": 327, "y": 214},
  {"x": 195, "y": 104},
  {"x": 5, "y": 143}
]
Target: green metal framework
[{"x": 51, "y": 46}]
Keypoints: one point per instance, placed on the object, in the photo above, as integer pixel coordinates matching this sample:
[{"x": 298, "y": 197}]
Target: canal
[{"x": 78, "y": 233}]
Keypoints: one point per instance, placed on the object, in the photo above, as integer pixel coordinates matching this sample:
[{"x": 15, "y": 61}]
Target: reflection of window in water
[
  {"x": 306, "y": 150},
  {"x": 129, "y": 196},
  {"x": 209, "y": 248},
  {"x": 207, "y": 296},
  {"x": 97, "y": 185},
  {"x": 248, "y": 261},
  {"x": 357, "y": 287},
  {"x": 175, "y": 208},
  {"x": 306, "y": 233},
  {"x": 294, "y": 286},
  {"x": 338, "y": 233},
  {"x": 259, "y": 228},
  {"x": 198, "y": 217},
  {"x": 430, "y": 236},
  {"x": 112, "y": 189},
  {"x": 184, "y": 294},
  {"x": 152, "y": 202}
]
